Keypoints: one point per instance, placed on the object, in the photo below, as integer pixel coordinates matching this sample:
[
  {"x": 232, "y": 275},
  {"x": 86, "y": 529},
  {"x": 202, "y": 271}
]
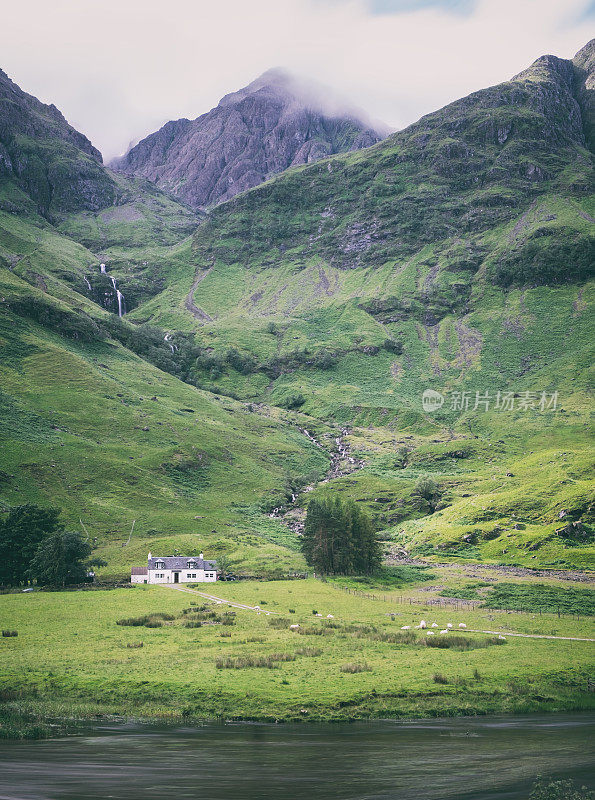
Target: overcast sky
[{"x": 119, "y": 69}]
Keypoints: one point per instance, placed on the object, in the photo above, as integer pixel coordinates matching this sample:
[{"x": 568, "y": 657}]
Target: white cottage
[{"x": 175, "y": 569}]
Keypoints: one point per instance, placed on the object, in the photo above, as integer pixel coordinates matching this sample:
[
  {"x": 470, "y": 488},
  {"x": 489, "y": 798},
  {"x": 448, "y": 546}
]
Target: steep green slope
[
  {"x": 110, "y": 436},
  {"x": 90, "y": 427},
  {"x": 457, "y": 256}
]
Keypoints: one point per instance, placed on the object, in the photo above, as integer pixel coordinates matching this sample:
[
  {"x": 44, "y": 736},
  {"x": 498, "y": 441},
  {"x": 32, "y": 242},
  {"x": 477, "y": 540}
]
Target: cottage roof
[
  {"x": 139, "y": 571},
  {"x": 180, "y": 562}
]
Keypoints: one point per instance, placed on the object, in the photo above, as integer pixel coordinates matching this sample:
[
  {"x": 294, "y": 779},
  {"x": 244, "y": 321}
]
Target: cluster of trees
[
  {"x": 35, "y": 547},
  {"x": 339, "y": 538}
]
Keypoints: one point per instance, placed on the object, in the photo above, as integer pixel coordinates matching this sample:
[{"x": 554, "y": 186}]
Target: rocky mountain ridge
[{"x": 273, "y": 123}]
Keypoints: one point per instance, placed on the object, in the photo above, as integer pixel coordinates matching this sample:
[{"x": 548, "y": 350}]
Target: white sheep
[
  {"x": 431, "y": 633},
  {"x": 502, "y": 637},
  {"x": 405, "y": 627},
  {"x": 449, "y": 625},
  {"x": 294, "y": 627},
  {"x": 330, "y": 616},
  {"x": 423, "y": 624},
  {"x": 462, "y": 625},
  {"x": 445, "y": 630},
  {"x": 434, "y": 624},
  {"x": 318, "y": 615}
]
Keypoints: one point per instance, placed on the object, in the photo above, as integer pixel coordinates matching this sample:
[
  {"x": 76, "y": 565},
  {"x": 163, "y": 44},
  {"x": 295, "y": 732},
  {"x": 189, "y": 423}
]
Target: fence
[{"x": 454, "y": 603}]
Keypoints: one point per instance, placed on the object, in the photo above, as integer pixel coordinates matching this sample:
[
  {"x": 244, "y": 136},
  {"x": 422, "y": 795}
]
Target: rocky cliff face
[
  {"x": 274, "y": 123},
  {"x": 53, "y": 163}
]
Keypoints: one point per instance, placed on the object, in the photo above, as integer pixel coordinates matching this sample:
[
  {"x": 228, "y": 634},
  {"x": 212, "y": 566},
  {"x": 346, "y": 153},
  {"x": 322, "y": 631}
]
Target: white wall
[
  {"x": 139, "y": 578},
  {"x": 186, "y": 576}
]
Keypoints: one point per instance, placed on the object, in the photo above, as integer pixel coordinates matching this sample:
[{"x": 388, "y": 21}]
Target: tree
[
  {"x": 339, "y": 538},
  {"x": 62, "y": 559},
  {"x": 21, "y": 533},
  {"x": 428, "y": 489}
]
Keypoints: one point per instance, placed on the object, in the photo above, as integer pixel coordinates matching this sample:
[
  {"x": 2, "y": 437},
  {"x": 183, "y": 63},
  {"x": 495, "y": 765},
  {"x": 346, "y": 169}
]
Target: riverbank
[{"x": 183, "y": 657}]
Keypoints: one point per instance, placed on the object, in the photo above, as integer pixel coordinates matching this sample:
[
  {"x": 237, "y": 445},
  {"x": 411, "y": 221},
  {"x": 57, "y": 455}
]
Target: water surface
[{"x": 466, "y": 759}]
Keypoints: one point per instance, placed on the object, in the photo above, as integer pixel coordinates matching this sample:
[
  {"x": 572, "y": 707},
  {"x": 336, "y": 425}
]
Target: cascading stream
[{"x": 119, "y": 295}]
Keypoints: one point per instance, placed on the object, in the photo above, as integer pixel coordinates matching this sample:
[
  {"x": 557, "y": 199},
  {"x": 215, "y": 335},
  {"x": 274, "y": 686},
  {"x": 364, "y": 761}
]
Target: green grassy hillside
[{"x": 454, "y": 256}]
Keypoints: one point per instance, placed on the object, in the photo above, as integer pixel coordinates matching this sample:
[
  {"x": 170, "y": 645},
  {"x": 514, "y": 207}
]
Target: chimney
[
  {"x": 201, "y": 555},
  {"x": 149, "y": 558}
]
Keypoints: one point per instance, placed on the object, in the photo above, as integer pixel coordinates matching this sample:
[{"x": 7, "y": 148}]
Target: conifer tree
[{"x": 339, "y": 538}]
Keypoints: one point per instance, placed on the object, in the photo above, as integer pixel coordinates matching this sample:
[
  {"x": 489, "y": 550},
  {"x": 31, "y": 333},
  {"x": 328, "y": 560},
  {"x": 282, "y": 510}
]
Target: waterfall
[
  {"x": 87, "y": 282},
  {"x": 121, "y": 305},
  {"x": 172, "y": 347},
  {"x": 119, "y": 295}
]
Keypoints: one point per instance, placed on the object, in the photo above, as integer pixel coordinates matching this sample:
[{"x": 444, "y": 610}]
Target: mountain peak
[{"x": 277, "y": 121}]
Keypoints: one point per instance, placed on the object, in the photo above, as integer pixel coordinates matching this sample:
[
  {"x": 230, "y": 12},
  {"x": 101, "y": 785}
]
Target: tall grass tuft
[
  {"x": 269, "y": 661},
  {"x": 356, "y": 666}
]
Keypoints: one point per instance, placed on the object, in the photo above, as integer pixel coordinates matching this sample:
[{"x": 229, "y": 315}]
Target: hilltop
[{"x": 275, "y": 122}]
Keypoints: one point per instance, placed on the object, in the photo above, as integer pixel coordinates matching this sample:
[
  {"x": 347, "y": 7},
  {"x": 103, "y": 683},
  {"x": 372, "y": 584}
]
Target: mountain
[
  {"x": 96, "y": 416},
  {"x": 282, "y": 351},
  {"x": 457, "y": 256},
  {"x": 274, "y": 123},
  {"x": 55, "y": 164}
]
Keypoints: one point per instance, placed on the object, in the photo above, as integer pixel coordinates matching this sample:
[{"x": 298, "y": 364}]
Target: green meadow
[{"x": 72, "y": 661}]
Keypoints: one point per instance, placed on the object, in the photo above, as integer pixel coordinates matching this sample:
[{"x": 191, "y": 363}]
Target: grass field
[{"x": 72, "y": 660}]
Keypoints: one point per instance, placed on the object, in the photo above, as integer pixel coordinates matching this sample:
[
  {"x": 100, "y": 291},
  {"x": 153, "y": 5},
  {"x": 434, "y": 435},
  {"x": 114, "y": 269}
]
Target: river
[{"x": 466, "y": 759}]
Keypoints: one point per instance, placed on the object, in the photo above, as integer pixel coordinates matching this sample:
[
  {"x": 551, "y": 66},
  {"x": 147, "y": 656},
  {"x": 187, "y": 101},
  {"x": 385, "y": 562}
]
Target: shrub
[
  {"x": 246, "y": 662},
  {"x": 293, "y": 401},
  {"x": 135, "y": 644},
  {"x": 308, "y": 651},
  {"x": 191, "y": 623},
  {"x": 356, "y": 666},
  {"x": 439, "y": 678},
  {"x": 279, "y": 622},
  {"x": 453, "y": 642},
  {"x": 315, "y": 631},
  {"x": 225, "y": 634},
  {"x": 393, "y": 346},
  {"x": 10, "y": 633},
  {"x": 148, "y": 620}
]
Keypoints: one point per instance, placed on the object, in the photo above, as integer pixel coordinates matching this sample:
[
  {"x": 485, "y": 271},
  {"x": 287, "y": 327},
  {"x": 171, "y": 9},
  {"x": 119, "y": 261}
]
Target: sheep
[
  {"x": 462, "y": 625},
  {"x": 423, "y": 624},
  {"x": 431, "y": 633},
  {"x": 294, "y": 627},
  {"x": 405, "y": 627},
  {"x": 449, "y": 625},
  {"x": 434, "y": 624},
  {"x": 445, "y": 630},
  {"x": 502, "y": 637},
  {"x": 318, "y": 615},
  {"x": 330, "y": 616}
]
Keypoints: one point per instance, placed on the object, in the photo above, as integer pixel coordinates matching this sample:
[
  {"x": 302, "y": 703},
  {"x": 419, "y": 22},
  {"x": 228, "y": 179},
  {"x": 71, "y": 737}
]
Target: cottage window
[{"x": 193, "y": 575}]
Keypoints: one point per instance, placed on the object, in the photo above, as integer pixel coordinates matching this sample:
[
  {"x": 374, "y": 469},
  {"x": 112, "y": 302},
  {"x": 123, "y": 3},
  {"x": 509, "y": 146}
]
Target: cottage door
[{"x": 176, "y": 577}]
